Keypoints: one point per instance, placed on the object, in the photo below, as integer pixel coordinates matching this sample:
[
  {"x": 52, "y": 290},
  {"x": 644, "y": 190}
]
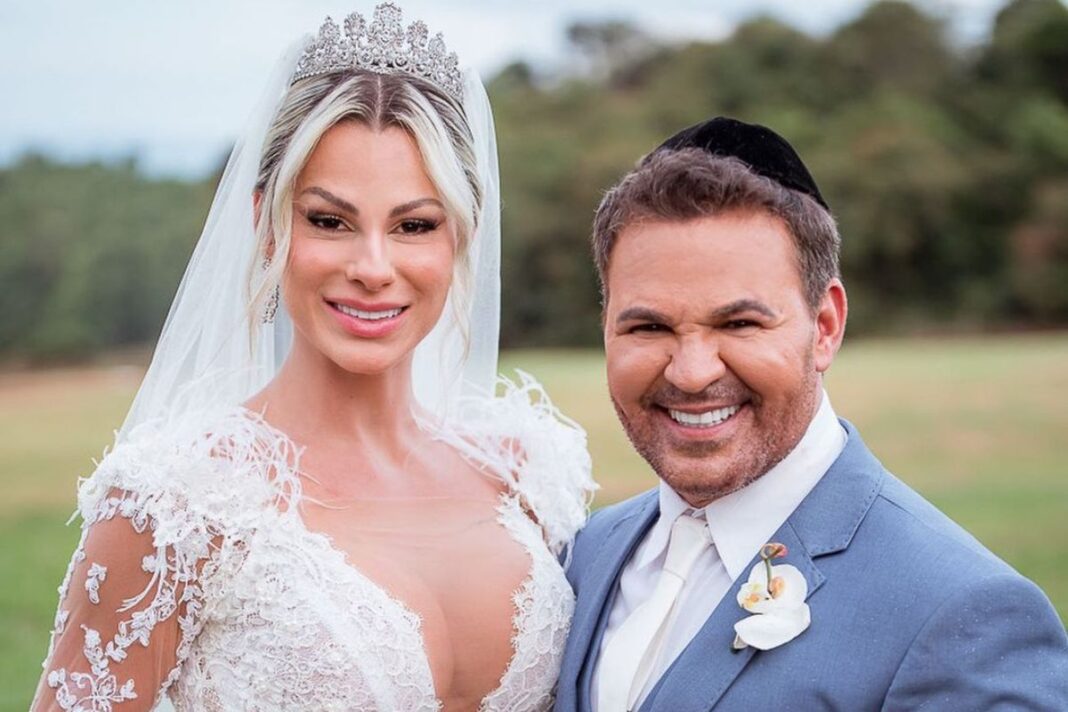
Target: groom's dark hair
[{"x": 689, "y": 183}]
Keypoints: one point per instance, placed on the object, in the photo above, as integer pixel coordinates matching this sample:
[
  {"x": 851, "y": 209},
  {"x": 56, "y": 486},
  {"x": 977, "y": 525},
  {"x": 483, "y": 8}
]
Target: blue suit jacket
[{"x": 909, "y": 612}]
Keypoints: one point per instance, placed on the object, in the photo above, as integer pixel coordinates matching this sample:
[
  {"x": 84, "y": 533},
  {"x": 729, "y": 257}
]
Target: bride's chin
[
  {"x": 369, "y": 364},
  {"x": 373, "y": 359}
]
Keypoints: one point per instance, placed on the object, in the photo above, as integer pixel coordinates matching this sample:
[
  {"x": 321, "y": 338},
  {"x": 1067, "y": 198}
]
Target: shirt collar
[{"x": 743, "y": 521}]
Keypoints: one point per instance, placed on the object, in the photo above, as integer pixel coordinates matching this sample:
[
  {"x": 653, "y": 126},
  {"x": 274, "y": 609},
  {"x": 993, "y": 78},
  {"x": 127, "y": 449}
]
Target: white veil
[{"x": 207, "y": 356}]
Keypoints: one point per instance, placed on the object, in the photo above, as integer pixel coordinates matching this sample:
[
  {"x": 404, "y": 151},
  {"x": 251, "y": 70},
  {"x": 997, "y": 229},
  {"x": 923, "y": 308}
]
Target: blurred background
[{"x": 937, "y": 130}]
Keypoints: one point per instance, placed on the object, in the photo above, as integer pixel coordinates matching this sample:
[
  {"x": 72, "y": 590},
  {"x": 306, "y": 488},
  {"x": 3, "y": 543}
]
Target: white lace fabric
[{"x": 196, "y": 578}]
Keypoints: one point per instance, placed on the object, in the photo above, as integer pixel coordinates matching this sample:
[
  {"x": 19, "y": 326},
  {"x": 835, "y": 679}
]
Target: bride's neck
[{"x": 313, "y": 395}]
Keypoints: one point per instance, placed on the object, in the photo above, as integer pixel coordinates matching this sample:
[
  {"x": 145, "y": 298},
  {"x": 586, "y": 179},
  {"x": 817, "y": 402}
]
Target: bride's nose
[{"x": 369, "y": 262}]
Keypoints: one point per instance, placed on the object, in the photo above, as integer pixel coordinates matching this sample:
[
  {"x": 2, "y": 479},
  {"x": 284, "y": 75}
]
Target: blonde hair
[{"x": 310, "y": 107}]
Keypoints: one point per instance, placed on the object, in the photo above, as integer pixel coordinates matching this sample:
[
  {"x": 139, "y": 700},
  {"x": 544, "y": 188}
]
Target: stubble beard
[{"x": 692, "y": 469}]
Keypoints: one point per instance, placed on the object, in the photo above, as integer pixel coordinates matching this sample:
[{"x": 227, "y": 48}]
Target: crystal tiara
[{"x": 385, "y": 47}]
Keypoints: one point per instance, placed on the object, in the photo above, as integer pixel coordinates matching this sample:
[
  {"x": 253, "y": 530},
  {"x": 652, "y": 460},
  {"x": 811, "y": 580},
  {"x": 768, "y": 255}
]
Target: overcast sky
[{"x": 171, "y": 81}]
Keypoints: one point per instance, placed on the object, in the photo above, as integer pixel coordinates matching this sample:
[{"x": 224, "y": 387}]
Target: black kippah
[{"x": 764, "y": 151}]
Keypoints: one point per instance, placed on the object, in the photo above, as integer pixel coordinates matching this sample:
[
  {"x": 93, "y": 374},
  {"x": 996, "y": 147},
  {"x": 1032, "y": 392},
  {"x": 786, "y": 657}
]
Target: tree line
[{"x": 946, "y": 167}]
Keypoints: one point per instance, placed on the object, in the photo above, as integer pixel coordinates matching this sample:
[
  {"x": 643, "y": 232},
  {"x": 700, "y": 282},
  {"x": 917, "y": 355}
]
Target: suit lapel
[
  {"x": 823, "y": 523},
  {"x": 593, "y": 607}
]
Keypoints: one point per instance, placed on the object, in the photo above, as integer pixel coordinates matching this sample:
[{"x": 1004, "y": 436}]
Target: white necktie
[{"x": 632, "y": 651}]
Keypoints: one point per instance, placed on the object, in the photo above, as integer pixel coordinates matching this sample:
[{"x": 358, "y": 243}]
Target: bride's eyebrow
[
  {"x": 331, "y": 198},
  {"x": 413, "y": 204}
]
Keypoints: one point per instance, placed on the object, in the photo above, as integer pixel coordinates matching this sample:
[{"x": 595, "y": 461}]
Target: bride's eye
[
  {"x": 324, "y": 221},
  {"x": 417, "y": 226}
]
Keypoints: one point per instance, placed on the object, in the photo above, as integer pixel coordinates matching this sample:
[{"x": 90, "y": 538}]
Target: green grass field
[{"x": 977, "y": 425}]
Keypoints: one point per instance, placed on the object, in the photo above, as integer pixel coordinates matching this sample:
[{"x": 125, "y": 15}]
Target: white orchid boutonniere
[{"x": 775, "y": 595}]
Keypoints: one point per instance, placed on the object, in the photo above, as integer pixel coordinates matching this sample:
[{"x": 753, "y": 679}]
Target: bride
[{"x": 315, "y": 501}]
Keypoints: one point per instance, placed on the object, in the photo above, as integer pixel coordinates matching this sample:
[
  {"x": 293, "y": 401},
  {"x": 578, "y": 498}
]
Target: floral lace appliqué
[
  {"x": 96, "y": 690},
  {"x": 93, "y": 579}
]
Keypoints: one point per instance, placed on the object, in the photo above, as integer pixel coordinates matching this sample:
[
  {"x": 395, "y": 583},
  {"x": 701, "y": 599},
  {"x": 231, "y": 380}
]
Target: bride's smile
[{"x": 366, "y": 321}]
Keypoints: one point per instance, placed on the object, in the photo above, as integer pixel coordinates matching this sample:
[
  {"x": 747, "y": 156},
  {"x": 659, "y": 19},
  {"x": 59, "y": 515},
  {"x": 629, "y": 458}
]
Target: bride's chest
[{"x": 389, "y": 618}]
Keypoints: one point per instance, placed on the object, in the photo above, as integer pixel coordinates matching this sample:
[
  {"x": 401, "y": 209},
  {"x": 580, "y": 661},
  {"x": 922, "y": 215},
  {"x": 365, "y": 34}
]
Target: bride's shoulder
[
  {"x": 219, "y": 464},
  {"x": 540, "y": 453}
]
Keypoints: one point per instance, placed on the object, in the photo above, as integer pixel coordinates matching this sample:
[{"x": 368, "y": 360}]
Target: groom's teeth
[
  {"x": 703, "y": 420},
  {"x": 369, "y": 315}
]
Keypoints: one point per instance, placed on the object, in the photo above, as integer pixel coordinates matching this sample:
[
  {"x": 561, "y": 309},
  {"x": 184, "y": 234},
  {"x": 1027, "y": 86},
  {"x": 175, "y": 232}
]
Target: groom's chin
[
  {"x": 698, "y": 472},
  {"x": 701, "y": 484},
  {"x": 703, "y": 471}
]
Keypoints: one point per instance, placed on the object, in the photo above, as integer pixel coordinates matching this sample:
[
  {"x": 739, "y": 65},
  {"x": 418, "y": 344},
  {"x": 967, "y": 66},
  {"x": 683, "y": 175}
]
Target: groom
[{"x": 723, "y": 308}]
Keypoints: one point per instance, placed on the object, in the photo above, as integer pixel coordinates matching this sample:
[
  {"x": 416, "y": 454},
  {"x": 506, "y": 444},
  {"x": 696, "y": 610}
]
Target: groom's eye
[
  {"x": 740, "y": 324},
  {"x": 647, "y": 328}
]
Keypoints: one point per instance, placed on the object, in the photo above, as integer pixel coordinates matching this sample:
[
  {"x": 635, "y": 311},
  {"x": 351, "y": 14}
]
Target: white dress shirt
[{"x": 740, "y": 523}]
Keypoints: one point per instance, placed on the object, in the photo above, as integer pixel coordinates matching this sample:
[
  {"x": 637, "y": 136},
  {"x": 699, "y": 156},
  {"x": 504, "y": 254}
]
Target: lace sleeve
[
  {"x": 167, "y": 517},
  {"x": 540, "y": 453},
  {"x": 128, "y": 612}
]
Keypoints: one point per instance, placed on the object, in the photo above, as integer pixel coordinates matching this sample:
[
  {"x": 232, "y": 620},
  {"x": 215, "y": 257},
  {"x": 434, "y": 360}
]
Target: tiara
[{"x": 384, "y": 47}]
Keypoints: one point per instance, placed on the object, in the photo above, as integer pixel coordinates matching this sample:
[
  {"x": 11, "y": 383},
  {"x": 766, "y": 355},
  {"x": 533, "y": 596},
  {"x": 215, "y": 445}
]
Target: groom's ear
[{"x": 830, "y": 325}]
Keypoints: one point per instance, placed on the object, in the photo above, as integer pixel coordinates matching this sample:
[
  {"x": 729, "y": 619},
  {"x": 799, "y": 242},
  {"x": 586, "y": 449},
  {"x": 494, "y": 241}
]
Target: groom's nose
[{"x": 694, "y": 363}]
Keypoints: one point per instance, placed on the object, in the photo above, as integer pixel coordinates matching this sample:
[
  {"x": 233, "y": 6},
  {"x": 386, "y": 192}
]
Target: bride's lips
[{"x": 366, "y": 320}]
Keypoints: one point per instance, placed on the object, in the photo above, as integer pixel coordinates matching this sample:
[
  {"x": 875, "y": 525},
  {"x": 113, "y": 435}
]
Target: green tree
[
  {"x": 90, "y": 256},
  {"x": 1029, "y": 47}
]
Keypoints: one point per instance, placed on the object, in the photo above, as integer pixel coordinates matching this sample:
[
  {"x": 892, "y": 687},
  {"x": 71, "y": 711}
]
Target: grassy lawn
[{"x": 977, "y": 425}]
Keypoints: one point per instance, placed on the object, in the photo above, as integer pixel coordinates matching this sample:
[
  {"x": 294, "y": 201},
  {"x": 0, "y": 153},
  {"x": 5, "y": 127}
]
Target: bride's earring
[
  {"x": 272, "y": 303},
  {"x": 271, "y": 308}
]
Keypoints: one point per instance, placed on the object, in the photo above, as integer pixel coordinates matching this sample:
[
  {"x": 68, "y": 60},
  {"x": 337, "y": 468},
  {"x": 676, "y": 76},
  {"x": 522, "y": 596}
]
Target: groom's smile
[
  {"x": 709, "y": 347},
  {"x": 705, "y": 419}
]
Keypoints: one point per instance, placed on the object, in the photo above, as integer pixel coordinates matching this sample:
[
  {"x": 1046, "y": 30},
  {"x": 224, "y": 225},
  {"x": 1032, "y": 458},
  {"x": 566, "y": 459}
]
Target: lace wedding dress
[{"x": 196, "y": 577}]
